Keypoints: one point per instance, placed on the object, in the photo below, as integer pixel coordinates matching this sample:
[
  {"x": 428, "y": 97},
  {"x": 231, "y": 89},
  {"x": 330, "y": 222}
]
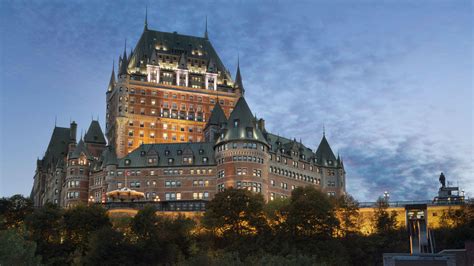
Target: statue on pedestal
[{"x": 442, "y": 180}]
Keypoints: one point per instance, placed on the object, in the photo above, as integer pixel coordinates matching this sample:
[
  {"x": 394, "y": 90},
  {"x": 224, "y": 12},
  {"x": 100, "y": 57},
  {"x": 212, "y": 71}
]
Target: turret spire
[
  {"x": 206, "y": 35},
  {"x": 146, "y": 18},
  {"x": 112, "y": 77},
  {"x": 238, "y": 77}
]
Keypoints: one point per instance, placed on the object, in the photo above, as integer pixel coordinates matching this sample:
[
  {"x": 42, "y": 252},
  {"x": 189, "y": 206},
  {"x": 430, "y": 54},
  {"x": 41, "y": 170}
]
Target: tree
[
  {"x": 108, "y": 247},
  {"x": 235, "y": 213},
  {"x": 15, "y": 250},
  {"x": 45, "y": 227},
  {"x": 80, "y": 221},
  {"x": 13, "y": 211},
  {"x": 384, "y": 222},
  {"x": 310, "y": 214},
  {"x": 160, "y": 239},
  {"x": 347, "y": 212}
]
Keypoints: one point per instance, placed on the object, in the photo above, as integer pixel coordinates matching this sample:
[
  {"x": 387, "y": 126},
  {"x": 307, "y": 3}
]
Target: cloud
[{"x": 388, "y": 81}]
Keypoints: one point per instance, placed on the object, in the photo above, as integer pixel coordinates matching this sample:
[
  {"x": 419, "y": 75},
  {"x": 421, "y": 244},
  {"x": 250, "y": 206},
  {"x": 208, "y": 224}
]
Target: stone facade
[{"x": 178, "y": 128}]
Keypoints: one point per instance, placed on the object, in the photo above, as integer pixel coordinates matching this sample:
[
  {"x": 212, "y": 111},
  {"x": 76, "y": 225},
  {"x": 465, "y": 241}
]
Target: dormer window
[
  {"x": 142, "y": 153},
  {"x": 201, "y": 151},
  {"x": 249, "y": 133},
  {"x": 170, "y": 160},
  {"x": 180, "y": 152},
  {"x": 127, "y": 162},
  {"x": 236, "y": 122},
  {"x": 204, "y": 159},
  {"x": 167, "y": 152}
]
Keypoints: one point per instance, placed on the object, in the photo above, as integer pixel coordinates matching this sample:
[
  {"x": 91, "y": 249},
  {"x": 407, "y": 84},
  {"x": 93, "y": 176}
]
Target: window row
[
  {"x": 294, "y": 175},
  {"x": 72, "y": 195},
  {"x": 252, "y": 186}
]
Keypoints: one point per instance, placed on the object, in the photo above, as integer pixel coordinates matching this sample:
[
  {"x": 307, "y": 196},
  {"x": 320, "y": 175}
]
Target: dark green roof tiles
[
  {"x": 324, "y": 153},
  {"x": 57, "y": 147},
  {"x": 94, "y": 134},
  {"x": 241, "y": 125},
  {"x": 217, "y": 116},
  {"x": 174, "y": 44},
  {"x": 80, "y": 148},
  {"x": 170, "y": 155}
]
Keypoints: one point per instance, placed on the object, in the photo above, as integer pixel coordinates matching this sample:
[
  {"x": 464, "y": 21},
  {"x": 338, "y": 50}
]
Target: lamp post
[{"x": 386, "y": 196}]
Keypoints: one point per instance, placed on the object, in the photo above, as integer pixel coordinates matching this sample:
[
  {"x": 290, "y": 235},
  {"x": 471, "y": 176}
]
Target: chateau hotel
[{"x": 178, "y": 129}]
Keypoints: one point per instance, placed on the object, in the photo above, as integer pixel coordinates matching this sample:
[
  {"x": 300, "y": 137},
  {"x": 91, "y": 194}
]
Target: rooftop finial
[
  {"x": 55, "y": 120},
  {"x": 146, "y": 17},
  {"x": 125, "y": 50},
  {"x": 324, "y": 131},
  {"x": 206, "y": 35}
]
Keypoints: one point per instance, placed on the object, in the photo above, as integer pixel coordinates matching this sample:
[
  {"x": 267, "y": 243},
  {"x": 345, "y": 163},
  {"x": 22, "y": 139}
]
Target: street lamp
[{"x": 386, "y": 196}]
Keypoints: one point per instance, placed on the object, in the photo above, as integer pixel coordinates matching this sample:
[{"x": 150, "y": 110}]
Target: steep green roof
[
  {"x": 176, "y": 44},
  {"x": 112, "y": 79},
  {"x": 217, "y": 116},
  {"x": 238, "y": 78},
  {"x": 163, "y": 152},
  {"x": 324, "y": 153},
  {"x": 94, "y": 134},
  {"x": 242, "y": 125},
  {"x": 110, "y": 157},
  {"x": 80, "y": 148},
  {"x": 57, "y": 147}
]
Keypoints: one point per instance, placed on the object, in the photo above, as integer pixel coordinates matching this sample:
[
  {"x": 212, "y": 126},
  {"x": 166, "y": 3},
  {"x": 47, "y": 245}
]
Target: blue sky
[{"x": 390, "y": 80}]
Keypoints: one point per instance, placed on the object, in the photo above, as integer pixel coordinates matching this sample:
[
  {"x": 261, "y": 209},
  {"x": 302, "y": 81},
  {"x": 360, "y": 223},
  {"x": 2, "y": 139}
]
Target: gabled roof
[
  {"x": 324, "y": 153},
  {"x": 80, "y": 149},
  {"x": 240, "y": 121},
  {"x": 94, "y": 134},
  {"x": 217, "y": 116}
]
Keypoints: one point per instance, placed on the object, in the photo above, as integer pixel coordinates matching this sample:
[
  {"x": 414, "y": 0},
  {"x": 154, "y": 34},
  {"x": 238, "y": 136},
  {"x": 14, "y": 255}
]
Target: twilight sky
[{"x": 392, "y": 81}]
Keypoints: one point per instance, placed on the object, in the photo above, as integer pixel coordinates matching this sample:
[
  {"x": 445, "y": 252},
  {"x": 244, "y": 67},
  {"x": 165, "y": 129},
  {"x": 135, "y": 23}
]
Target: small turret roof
[
  {"x": 80, "y": 148},
  {"x": 94, "y": 134},
  {"x": 324, "y": 153},
  {"x": 238, "y": 78},
  {"x": 241, "y": 122},
  {"x": 217, "y": 116},
  {"x": 112, "y": 79}
]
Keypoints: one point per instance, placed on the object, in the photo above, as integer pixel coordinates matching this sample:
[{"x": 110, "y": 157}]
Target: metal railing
[
  {"x": 176, "y": 206},
  {"x": 410, "y": 202}
]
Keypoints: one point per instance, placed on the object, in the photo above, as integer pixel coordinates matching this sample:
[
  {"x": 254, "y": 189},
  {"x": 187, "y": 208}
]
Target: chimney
[
  {"x": 73, "y": 130},
  {"x": 261, "y": 124}
]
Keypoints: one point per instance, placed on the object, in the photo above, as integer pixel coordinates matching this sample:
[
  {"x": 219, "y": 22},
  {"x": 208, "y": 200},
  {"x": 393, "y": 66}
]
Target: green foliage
[
  {"x": 235, "y": 213},
  {"x": 347, "y": 209},
  {"x": 161, "y": 239},
  {"x": 310, "y": 214},
  {"x": 238, "y": 229},
  {"x": 15, "y": 250},
  {"x": 13, "y": 211},
  {"x": 45, "y": 226},
  {"x": 79, "y": 223},
  {"x": 385, "y": 222},
  {"x": 108, "y": 247}
]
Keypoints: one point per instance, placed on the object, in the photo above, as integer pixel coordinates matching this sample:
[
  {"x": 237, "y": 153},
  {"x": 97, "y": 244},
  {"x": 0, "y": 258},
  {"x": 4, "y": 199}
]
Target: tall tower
[
  {"x": 242, "y": 153},
  {"x": 165, "y": 91}
]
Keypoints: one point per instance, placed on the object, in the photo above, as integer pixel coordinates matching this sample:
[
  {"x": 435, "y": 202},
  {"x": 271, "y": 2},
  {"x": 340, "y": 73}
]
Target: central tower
[{"x": 165, "y": 90}]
